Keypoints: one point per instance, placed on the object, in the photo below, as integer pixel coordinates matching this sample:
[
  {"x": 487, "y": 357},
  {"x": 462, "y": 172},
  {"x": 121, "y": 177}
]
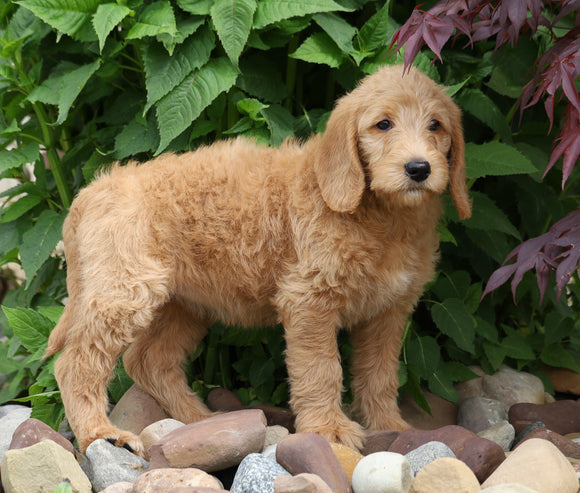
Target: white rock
[
  {"x": 8, "y": 424},
  {"x": 382, "y": 472}
]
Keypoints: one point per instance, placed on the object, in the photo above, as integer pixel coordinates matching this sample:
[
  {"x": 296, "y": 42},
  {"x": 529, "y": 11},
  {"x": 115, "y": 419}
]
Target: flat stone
[
  {"x": 224, "y": 400},
  {"x": 443, "y": 412},
  {"x": 479, "y": 413},
  {"x": 211, "y": 444},
  {"x": 379, "y": 441},
  {"x": 501, "y": 433},
  {"x": 162, "y": 480},
  {"x": 481, "y": 455},
  {"x": 107, "y": 464},
  {"x": 512, "y": 387},
  {"x": 539, "y": 465},
  {"x": 136, "y": 410},
  {"x": 42, "y": 467},
  {"x": 33, "y": 431},
  {"x": 347, "y": 457},
  {"x": 310, "y": 453},
  {"x": 382, "y": 472},
  {"x": 257, "y": 473},
  {"x": 427, "y": 453},
  {"x": 8, "y": 424},
  {"x": 565, "y": 445},
  {"x": 301, "y": 483},
  {"x": 445, "y": 475},
  {"x": 156, "y": 431},
  {"x": 564, "y": 380},
  {"x": 561, "y": 416}
]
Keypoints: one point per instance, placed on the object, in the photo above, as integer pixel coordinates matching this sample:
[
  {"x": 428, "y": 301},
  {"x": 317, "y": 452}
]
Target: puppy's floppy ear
[
  {"x": 337, "y": 163},
  {"x": 457, "y": 178}
]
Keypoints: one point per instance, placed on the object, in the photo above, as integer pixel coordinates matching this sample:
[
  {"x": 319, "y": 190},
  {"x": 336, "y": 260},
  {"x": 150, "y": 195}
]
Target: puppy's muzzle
[{"x": 418, "y": 171}]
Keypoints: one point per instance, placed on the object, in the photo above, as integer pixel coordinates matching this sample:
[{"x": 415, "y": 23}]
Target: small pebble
[
  {"x": 501, "y": 433},
  {"x": 427, "y": 453},
  {"x": 382, "y": 472},
  {"x": 257, "y": 473}
]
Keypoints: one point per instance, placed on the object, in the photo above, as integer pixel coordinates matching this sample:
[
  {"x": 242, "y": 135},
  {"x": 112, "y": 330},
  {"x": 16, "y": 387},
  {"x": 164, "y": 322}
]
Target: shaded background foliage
[{"x": 84, "y": 83}]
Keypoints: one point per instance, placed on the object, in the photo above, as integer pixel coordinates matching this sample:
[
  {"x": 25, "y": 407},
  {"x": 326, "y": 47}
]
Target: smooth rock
[
  {"x": 446, "y": 475},
  {"x": 301, "y": 483},
  {"x": 9, "y": 423},
  {"x": 107, "y": 464},
  {"x": 471, "y": 388},
  {"x": 379, "y": 441},
  {"x": 156, "y": 431},
  {"x": 511, "y": 387},
  {"x": 481, "y": 455},
  {"x": 347, "y": 457},
  {"x": 501, "y": 433},
  {"x": 8, "y": 408},
  {"x": 561, "y": 416},
  {"x": 41, "y": 467},
  {"x": 277, "y": 416},
  {"x": 136, "y": 410},
  {"x": 257, "y": 473},
  {"x": 526, "y": 431},
  {"x": 212, "y": 444},
  {"x": 479, "y": 413},
  {"x": 539, "y": 465},
  {"x": 310, "y": 453},
  {"x": 382, "y": 472},
  {"x": 33, "y": 431},
  {"x": 274, "y": 434},
  {"x": 224, "y": 400},
  {"x": 509, "y": 488},
  {"x": 564, "y": 380},
  {"x": 120, "y": 487},
  {"x": 565, "y": 445},
  {"x": 427, "y": 453},
  {"x": 270, "y": 451},
  {"x": 161, "y": 480},
  {"x": 443, "y": 412}
]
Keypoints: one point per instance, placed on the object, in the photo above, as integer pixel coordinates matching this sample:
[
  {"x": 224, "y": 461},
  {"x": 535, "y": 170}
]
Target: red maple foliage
[{"x": 555, "y": 73}]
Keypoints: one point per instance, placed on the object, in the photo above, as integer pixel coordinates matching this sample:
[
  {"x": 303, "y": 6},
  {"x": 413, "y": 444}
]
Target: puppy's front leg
[
  {"x": 375, "y": 371},
  {"x": 315, "y": 372}
]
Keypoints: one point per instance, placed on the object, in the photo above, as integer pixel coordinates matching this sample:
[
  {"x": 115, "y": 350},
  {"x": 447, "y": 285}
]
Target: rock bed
[{"x": 506, "y": 435}]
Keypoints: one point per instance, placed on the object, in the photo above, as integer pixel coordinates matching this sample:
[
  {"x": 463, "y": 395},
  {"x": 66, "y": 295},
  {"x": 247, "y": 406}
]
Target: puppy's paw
[
  {"x": 115, "y": 436},
  {"x": 343, "y": 431}
]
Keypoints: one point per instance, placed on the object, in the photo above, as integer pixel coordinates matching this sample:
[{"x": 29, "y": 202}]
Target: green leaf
[
  {"x": 516, "y": 346},
  {"x": 555, "y": 355},
  {"x": 252, "y": 107},
  {"x": 67, "y": 16},
  {"x": 454, "y": 320},
  {"x": 338, "y": 29},
  {"x": 483, "y": 108},
  {"x": 27, "y": 153},
  {"x": 319, "y": 48},
  {"x": 233, "y": 22},
  {"x": 19, "y": 208},
  {"x": 163, "y": 73},
  {"x": 39, "y": 242},
  {"x": 31, "y": 328},
  {"x": 62, "y": 89},
  {"x": 270, "y": 11},
  {"x": 197, "y": 7},
  {"x": 439, "y": 383},
  {"x": 495, "y": 159},
  {"x": 185, "y": 28},
  {"x": 375, "y": 31},
  {"x": 139, "y": 135},
  {"x": 107, "y": 16},
  {"x": 424, "y": 354},
  {"x": 280, "y": 122},
  {"x": 458, "y": 372},
  {"x": 177, "y": 110},
  {"x": 489, "y": 217},
  {"x": 487, "y": 330},
  {"x": 53, "y": 313},
  {"x": 495, "y": 354},
  {"x": 64, "y": 487},
  {"x": 157, "y": 18}
]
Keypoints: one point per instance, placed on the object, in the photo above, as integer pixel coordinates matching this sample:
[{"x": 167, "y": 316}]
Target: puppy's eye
[
  {"x": 434, "y": 125},
  {"x": 384, "y": 125}
]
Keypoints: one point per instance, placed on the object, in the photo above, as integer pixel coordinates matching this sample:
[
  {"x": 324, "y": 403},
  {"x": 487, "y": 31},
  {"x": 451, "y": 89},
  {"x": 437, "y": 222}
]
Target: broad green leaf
[
  {"x": 252, "y": 107},
  {"x": 454, "y": 320},
  {"x": 139, "y": 135},
  {"x": 27, "y": 153},
  {"x": 64, "y": 487},
  {"x": 557, "y": 328},
  {"x": 280, "y": 122},
  {"x": 489, "y": 217},
  {"x": 439, "y": 383},
  {"x": 413, "y": 387},
  {"x": 270, "y": 11},
  {"x": 486, "y": 330},
  {"x": 107, "y": 16},
  {"x": 9, "y": 238},
  {"x": 424, "y": 354},
  {"x": 233, "y": 22},
  {"x": 338, "y": 29},
  {"x": 66, "y": 16},
  {"x": 177, "y": 110},
  {"x": 18, "y": 208},
  {"x": 31, "y": 327},
  {"x": 157, "y": 18},
  {"x": 39, "y": 242},
  {"x": 555, "y": 355},
  {"x": 495, "y": 354},
  {"x": 375, "y": 31},
  {"x": 319, "y": 48},
  {"x": 62, "y": 89},
  {"x": 197, "y": 7},
  {"x": 164, "y": 73},
  {"x": 267, "y": 85},
  {"x": 458, "y": 372},
  {"x": 185, "y": 28},
  {"x": 53, "y": 313},
  {"x": 516, "y": 346},
  {"x": 495, "y": 159}
]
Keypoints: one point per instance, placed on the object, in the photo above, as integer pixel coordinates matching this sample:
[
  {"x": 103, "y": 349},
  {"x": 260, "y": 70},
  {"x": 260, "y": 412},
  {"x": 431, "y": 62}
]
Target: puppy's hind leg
[{"x": 156, "y": 359}]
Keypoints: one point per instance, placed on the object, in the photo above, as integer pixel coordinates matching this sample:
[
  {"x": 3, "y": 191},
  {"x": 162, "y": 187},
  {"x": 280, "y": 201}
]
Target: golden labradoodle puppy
[{"x": 336, "y": 232}]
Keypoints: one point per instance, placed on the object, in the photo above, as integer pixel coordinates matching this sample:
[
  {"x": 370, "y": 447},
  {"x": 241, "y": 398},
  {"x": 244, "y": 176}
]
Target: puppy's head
[{"x": 401, "y": 136}]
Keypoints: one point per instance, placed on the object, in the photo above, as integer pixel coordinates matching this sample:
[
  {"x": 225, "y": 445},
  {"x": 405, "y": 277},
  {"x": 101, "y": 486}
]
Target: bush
[{"x": 84, "y": 83}]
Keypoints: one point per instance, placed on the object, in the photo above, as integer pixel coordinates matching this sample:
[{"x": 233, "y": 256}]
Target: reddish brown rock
[
  {"x": 33, "y": 431},
  {"x": 212, "y": 444},
  {"x": 136, "y": 410},
  {"x": 565, "y": 445},
  {"x": 224, "y": 400},
  {"x": 379, "y": 441},
  {"x": 277, "y": 416},
  {"x": 169, "y": 479},
  {"x": 564, "y": 380},
  {"x": 563, "y": 417},
  {"x": 481, "y": 455},
  {"x": 310, "y": 453},
  {"x": 443, "y": 412}
]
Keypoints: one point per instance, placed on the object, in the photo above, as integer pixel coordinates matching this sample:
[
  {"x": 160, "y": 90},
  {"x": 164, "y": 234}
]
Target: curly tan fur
[{"x": 327, "y": 234}]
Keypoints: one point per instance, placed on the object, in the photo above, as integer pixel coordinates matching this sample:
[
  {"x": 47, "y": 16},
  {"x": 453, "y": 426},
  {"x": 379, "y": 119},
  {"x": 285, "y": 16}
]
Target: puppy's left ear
[
  {"x": 337, "y": 163},
  {"x": 457, "y": 178}
]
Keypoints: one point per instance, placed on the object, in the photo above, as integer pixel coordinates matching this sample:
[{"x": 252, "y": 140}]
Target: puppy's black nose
[{"x": 418, "y": 170}]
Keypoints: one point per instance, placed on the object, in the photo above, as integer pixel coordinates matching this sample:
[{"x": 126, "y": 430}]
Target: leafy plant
[{"x": 85, "y": 83}]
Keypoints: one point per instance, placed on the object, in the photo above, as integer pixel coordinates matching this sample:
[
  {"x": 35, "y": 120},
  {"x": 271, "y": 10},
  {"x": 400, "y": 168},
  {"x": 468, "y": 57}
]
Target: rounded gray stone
[
  {"x": 502, "y": 433},
  {"x": 427, "y": 453},
  {"x": 479, "y": 413},
  {"x": 256, "y": 473}
]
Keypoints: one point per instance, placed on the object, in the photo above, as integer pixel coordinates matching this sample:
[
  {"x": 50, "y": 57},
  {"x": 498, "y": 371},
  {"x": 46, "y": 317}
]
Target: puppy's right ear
[{"x": 337, "y": 163}]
